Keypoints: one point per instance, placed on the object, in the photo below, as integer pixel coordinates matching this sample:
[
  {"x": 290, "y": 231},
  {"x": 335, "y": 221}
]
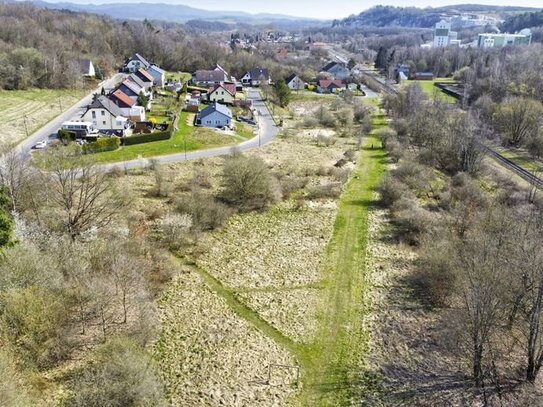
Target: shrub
[
  {"x": 310, "y": 122},
  {"x": 246, "y": 183},
  {"x": 434, "y": 276},
  {"x": 102, "y": 144},
  {"x": 325, "y": 117},
  {"x": 330, "y": 190},
  {"x": 324, "y": 140},
  {"x": 289, "y": 185},
  {"x": 174, "y": 230},
  {"x": 205, "y": 211},
  {"x": 392, "y": 190},
  {"x": 120, "y": 374},
  {"x": 341, "y": 174}
]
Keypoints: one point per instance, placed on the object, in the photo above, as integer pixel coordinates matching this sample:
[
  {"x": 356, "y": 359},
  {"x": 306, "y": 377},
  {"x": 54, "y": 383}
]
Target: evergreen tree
[{"x": 282, "y": 92}]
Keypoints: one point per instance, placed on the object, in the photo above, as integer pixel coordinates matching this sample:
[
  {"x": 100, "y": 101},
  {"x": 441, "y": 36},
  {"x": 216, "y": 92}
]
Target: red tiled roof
[
  {"x": 326, "y": 83},
  {"x": 123, "y": 98},
  {"x": 146, "y": 75},
  {"x": 229, "y": 87}
]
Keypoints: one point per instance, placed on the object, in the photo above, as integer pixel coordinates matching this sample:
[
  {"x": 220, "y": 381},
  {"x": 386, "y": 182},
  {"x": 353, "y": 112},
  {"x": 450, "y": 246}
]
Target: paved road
[
  {"x": 267, "y": 131},
  {"x": 75, "y": 111}
]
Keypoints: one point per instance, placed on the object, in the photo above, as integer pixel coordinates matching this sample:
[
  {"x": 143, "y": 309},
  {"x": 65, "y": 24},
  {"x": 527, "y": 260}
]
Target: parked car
[{"x": 40, "y": 145}]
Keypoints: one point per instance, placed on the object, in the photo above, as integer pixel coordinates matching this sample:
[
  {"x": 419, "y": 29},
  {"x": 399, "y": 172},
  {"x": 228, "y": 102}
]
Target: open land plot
[
  {"x": 269, "y": 287},
  {"x": 208, "y": 356},
  {"x": 39, "y": 106}
]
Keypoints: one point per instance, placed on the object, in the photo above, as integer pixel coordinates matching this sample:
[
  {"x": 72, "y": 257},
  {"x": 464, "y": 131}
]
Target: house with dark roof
[
  {"x": 330, "y": 86},
  {"x": 128, "y": 106},
  {"x": 136, "y": 62},
  {"x": 86, "y": 68},
  {"x": 158, "y": 74},
  {"x": 131, "y": 89},
  {"x": 225, "y": 93},
  {"x": 256, "y": 76},
  {"x": 105, "y": 115},
  {"x": 145, "y": 76},
  {"x": 206, "y": 78},
  {"x": 294, "y": 82},
  {"x": 337, "y": 70},
  {"x": 215, "y": 115}
]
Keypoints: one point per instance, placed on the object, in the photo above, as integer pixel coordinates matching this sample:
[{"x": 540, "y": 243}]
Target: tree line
[{"x": 477, "y": 234}]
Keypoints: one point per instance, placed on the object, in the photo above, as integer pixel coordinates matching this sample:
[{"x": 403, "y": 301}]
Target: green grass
[
  {"x": 38, "y": 105},
  {"x": 432, "y": 91},
  {"x": 193, "y": 138},
  {"x": 333, "y": 364}
]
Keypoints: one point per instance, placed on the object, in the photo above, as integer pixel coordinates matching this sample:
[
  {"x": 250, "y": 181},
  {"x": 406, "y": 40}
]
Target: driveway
[
  {"x": 75, "y": 111},
  {"x": 267, "y": 131}
]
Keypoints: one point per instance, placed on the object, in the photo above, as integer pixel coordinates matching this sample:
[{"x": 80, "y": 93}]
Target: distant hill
[
  {"x": 520, "y": 21},
  {"x": 413, "y": 17},
  {"x": 176, "y": 13}
]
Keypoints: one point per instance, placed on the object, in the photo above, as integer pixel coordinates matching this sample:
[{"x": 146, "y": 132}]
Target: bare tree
[{"x": 82, "y": 192}]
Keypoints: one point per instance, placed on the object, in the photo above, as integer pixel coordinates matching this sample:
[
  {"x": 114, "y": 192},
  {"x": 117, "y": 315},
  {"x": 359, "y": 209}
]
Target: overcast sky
[{"x": 315, "y": 8}]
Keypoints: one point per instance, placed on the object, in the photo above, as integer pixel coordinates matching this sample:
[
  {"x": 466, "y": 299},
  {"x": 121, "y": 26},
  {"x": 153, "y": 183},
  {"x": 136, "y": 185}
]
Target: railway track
[{"x": 531, "y": 178}]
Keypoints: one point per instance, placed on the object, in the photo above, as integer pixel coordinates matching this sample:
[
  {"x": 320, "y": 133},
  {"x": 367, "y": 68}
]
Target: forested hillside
[
  {"x": 521, "y": 21},
  {"x": 41, "y": 47}
]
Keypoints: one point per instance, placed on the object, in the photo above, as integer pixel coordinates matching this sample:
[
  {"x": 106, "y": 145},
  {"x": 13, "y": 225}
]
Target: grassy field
[
  {"x": 286, "y": 286},
  {"x": 189, "y": 138},
  {"x": 38, "y": 105}
]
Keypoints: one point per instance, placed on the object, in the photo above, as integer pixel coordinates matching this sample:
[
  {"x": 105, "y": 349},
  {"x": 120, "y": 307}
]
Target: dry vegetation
[{"x": 39, "y": 106}]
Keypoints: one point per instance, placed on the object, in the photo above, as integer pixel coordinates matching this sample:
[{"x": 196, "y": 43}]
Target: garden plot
[
  {"x": 38, "y": 105},
  {"x": 209, "y": 356},
  {"x": 293, "y": 312},
  {"x": 278, "y": 248}
]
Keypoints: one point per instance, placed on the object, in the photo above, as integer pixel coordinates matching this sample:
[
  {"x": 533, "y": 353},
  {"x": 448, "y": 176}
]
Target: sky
[{"x": 323, "y": 9}]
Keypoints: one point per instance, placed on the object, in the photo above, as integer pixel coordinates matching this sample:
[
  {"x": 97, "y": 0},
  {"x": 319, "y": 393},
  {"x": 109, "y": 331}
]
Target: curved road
[{"x": 267, "y": 131}]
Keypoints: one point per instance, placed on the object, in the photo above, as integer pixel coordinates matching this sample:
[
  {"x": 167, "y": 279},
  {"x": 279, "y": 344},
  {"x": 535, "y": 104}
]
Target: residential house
[
  {"x": 136, "y": 62},
  {"x": 337, "y": 70},
  {"x": 128, "y": 106},
  {"x": 86, "y": 68},
  {"x": 294, "y": 82},
  {"x": 106, "y": 116},
  {"x": 255, "y": 77},
  {"x": 207, "y": 79},
  {"x": 158, "y": 74},
  {"x": 227, "y": 76},
  {"x": 330, "y": 86},
  {"x": 131, "y": 89},
  {"x": 142, "y": 79},
  {"x": 145, "y": 76},
  {"x": 225, "y": 93},
  {"x": 215, "y": 115}
]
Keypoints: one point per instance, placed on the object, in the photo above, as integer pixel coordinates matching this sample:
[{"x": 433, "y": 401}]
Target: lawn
[
  {"x": 38, "y": 105},
  {"x": 429, "y": 88},
  {"x": 189, "y": 138}
]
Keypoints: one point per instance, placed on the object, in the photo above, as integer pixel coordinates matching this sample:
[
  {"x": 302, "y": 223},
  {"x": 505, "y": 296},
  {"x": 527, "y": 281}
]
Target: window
[
  {"x": 103, "y": 112},
  {"x": 94, "y": 114},
  {"x": 104, "y": 122}
]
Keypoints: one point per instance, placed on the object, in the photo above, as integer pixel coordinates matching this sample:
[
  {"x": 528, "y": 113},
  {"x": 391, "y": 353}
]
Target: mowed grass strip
[{"x": 332, "y": 365}]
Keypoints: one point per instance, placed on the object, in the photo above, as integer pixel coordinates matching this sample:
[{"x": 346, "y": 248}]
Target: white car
[{"x": 40, "y": 145}]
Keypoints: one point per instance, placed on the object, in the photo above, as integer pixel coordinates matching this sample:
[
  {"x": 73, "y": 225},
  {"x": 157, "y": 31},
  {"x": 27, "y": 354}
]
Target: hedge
[{"x": 102, "y": 144}]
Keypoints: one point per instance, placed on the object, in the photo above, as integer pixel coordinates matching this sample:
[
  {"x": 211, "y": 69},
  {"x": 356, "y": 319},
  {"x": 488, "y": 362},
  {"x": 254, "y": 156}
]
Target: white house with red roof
[{"x": 225, "y": 94}]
